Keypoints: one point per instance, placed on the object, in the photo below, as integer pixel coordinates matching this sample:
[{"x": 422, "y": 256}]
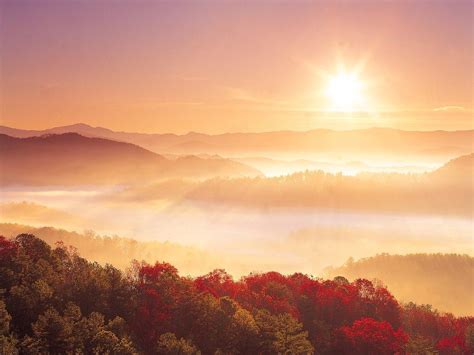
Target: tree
[
  {"x": 341, "y": 280},
  {"x": 200, "y": 316},
  {"x": 243, "y": 331},
  {"x": 271, "y": 291},
  {"x": 419, "y": 345},
  {"x": 104, "y": 342},
  {"x": 8, "y": 345},
  {"x": 54, "y": 301},
  {"x": 7, "y": 341},
  {"x": 168, "y": 344},
  {"x": 53, "y": 333},
  {"x": 282, "y": 334},
  {"x": 218, "y": 283},
  {"x": 377, "y": 303},
  {"x": 452, "y": 345},
  {"x": 125, "y": 347},
  {"x": 469, "y": 337},
  {"x": 370, "y": 337},
  {"x": 159, "y": 292}
]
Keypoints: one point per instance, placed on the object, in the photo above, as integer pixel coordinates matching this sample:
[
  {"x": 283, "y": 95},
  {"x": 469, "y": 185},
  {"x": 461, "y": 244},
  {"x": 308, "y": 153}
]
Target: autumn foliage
[{"x": 54, "y": 301}]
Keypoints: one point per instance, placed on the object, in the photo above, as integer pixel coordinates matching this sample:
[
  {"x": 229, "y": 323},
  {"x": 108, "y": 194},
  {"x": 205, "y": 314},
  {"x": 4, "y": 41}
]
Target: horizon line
[{"x": 238, "y": 132}]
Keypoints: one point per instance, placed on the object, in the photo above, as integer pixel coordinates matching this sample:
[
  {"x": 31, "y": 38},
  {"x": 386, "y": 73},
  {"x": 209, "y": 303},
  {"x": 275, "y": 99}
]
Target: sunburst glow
[{"x": 345, "y": 91}]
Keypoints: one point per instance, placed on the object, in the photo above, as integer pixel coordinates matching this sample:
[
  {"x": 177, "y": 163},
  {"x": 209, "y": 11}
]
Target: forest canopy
[{"x": 54, "y": 301}]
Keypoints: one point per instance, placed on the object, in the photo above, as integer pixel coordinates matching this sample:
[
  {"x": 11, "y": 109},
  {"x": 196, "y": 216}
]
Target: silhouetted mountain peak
[
  {"x": 71, "y": 158},
  {"x": 460, "y": 169}
]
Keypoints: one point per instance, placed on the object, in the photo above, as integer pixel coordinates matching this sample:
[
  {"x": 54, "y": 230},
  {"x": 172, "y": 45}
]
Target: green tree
[
  {"x": 282, "y": 334},
  {"x": 419, "y": 345},
  {"x": 125, "y": 347},
  {"x": 104, "y": 342},
  {"x": 5, "y": 319},
  {"x": 168, "y": 344},
  {"x": 118, "y": 326},
  {"x": 7, "y": 341},
  {"x": 469, "y": 337},
  {"x": 53, "y": 333}
]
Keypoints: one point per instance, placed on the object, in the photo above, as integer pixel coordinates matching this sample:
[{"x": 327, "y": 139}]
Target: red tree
[
  {"x": 370, "y": 337},
  {"x": 218, "y": 283},
  {"x": 7, "y": 248},
  {"x": 271, "y": 291},
  {"x": 159, "y": 289},
  {"x": 452, "y": 345}
]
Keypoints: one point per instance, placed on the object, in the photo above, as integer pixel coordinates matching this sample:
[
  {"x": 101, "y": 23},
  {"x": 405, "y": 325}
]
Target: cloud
[
  {"x": 450, "y": 109},
  {"x": 177, "y": 103},
  {"x": 263, "y": 102},
  {"x": 194, "y": 78},
  {"x": 243, "y": 95},
  {"x": 153, "y": 101}
]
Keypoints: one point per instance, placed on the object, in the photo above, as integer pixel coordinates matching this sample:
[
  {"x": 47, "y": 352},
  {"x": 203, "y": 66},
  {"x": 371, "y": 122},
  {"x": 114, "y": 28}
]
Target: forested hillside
[
  {"x": 408, "y": 277},
  {"x": 119, "y": 251},
  {"x": 442, "y": 279},
  {"x": 54, "y": 301},
  {"x": 446, "y": 191}
]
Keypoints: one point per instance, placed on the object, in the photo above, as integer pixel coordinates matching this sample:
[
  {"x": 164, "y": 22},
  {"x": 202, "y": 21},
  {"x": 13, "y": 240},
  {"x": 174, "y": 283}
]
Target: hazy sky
[{"x": 216, "y": 66}]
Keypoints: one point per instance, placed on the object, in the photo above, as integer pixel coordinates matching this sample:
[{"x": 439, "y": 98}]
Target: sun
[{"x": 345, "y": 91}]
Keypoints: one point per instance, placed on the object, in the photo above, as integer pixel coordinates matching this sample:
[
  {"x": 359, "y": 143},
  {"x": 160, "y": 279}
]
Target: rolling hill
[
  {"x": 70, "y": 158},
  {"x": 446, "y": 191},
  {"x": 379, "y": 142},
  {"x": 409, "y": 277},
  {"x": 443, "y": 280},
  {"x": 458, "y": 171}
]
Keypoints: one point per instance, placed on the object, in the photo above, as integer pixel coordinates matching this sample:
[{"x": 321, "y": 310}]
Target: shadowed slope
[
  {"x": 380, "y": 142},
  {"x": 443, "y": 280},
  {"x": 70, "y": 158}
]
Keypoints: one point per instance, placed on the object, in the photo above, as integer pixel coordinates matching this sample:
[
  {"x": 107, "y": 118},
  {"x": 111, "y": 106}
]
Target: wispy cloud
[
  {"x": 450, "y": 108},
  {"x": 194, "y": 78},
  {"x": 155, "y": 102},
  {"x": 245, "y": 96},
  {"x": 176, "y": 103}
]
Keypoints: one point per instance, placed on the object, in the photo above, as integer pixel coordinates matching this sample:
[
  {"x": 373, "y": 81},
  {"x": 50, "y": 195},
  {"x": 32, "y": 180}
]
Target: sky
[{"x": 227, "y": 66}]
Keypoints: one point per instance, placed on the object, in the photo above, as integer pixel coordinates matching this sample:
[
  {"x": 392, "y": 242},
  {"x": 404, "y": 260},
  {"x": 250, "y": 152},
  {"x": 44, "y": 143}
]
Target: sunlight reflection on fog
[{"x": 305, "y": 240}]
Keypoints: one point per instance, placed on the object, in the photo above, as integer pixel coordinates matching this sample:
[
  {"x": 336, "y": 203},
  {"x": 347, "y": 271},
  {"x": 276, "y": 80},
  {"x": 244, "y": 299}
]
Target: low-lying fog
[
  {"x": 277, "y": 166},
  {"x": 242, "y": 240}
]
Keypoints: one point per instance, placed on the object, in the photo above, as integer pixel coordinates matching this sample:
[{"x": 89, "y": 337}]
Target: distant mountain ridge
[
  {"x": 457, "y": 170},
  {"x": 410, "y": 278},
  {"x": 378, "y": 141},
  {"x": 71, "y": 158},
  {"x": 445, "y": 191}
]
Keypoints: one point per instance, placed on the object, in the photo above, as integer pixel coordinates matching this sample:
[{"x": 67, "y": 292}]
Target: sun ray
[{"x": 345, "y": 91}]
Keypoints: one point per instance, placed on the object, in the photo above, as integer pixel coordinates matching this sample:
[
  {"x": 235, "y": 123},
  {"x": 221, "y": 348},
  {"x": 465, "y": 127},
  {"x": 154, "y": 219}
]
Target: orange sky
[{"x": 233, "y": 66}]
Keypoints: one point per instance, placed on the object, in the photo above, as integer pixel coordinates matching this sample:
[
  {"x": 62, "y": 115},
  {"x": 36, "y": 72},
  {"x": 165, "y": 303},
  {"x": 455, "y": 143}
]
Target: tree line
[
  {"x": 410, "y": 277},
  {"x": 367, "y": 192},
  {"x": 52, "y": 301}
]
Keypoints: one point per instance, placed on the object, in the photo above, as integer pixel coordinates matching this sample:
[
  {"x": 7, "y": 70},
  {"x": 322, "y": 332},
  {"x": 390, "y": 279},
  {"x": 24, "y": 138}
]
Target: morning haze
[{"x": 266, "y": 177}]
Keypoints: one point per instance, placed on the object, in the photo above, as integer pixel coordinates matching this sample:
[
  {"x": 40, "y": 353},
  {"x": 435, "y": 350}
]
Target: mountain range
[
  {"x": 73, "y": 159},
  {"x": 383, "y": 142}
]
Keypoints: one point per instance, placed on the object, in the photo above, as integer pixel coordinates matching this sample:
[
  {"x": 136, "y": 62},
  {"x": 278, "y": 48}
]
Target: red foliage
[
  {"x": 337, "y": 316},
  {"x": 368, "y": 336},
  {"x": 340, "y": 317},
  {"x": 340, "y": 303},
  {"x": 452, "y": 345},
  {"x": 158, "y": 292},
  {"x": 156, "y": 273},
  {"x": 271, "y": 291},
  {"x": 377, "y": 303},
  {"x": 218, "y": 283},
  {"x": 7, "y": 248},
  {"x": 335, "y": 303}
]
